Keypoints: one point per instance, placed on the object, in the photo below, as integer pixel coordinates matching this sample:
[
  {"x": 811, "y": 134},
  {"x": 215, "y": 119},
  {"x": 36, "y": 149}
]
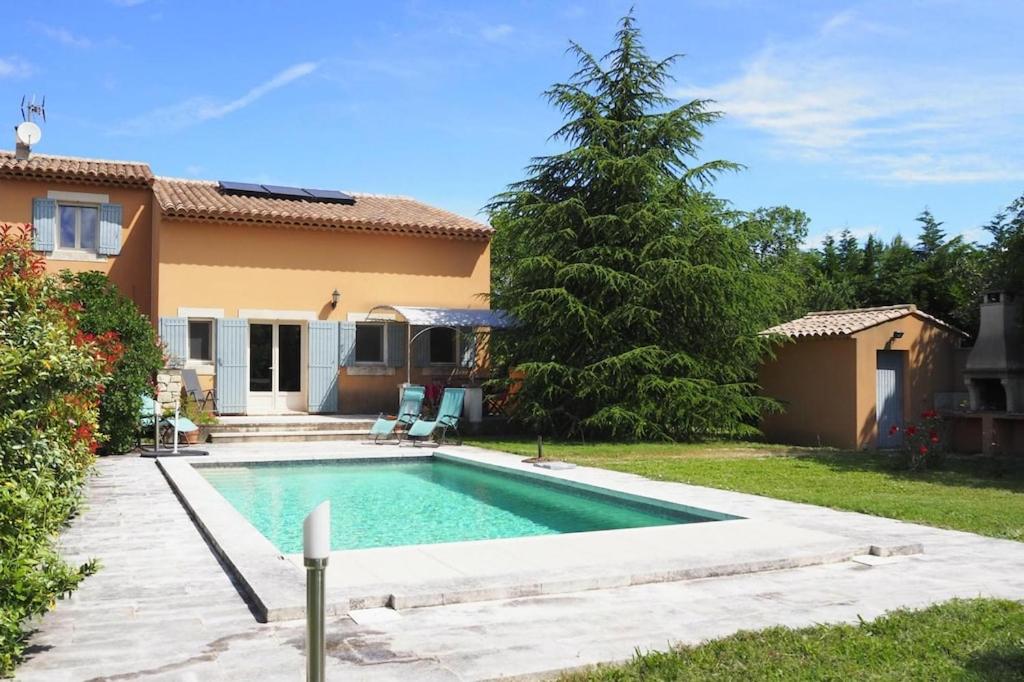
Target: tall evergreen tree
[
  {"x": 639, "y": 305},
  {"x": 932, "y": 235}
]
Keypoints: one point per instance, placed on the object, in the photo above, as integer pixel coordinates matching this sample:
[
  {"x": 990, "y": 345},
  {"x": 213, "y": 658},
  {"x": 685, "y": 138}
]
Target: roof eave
[{"x": 294, "y": 223}]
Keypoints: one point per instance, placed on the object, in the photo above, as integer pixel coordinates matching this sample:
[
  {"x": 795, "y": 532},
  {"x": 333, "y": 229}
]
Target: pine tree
[
  {"x": 639, "y": 305},
  {"x": 932, "y": 235}
]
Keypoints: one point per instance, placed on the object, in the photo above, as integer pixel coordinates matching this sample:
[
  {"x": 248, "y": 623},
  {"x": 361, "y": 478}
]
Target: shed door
[{"x": 889, "y": 388}]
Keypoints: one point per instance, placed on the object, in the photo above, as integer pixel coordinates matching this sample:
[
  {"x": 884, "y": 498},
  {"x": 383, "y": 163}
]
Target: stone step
[
  {"x": 266, "y": 427},
  {"x": 288, "y": 435}
]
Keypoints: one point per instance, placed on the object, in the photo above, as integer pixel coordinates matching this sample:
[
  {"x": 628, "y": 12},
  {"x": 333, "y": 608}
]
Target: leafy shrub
[
  {"x": 102, "y": 309},
  {"x": 923, "y": 444},
  {"x": 52, "y": 376}
]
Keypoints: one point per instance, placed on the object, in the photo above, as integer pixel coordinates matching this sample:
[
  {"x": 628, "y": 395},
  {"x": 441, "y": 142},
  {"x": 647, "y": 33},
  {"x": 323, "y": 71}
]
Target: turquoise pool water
[{"x": 423, "y": 501}]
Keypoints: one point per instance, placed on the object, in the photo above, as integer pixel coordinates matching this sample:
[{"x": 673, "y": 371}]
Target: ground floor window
[
  {"x": 200, "y": 340},
  {"x": 442, "y": 346},
  {"x": 370, "y": 343}
]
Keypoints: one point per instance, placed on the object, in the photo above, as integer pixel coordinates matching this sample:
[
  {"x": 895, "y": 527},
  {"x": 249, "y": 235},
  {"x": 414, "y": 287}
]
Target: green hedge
[
  {"x": 102, "y": 308},
  {"x": 52, "y": 375}
]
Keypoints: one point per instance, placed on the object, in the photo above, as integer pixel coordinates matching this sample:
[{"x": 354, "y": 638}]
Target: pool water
[{"x": 423, "y": 501}]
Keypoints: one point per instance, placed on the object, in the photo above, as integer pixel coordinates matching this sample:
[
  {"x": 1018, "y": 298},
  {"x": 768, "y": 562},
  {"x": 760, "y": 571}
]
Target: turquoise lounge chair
[
  {"x": 448, "y": 415},
  {"x": 408, "y": 412},
  {"x": 148, "y": 412}
]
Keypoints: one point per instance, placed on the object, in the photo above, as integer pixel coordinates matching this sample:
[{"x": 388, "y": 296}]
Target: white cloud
[
  {"x": 198, "y": 109},
  {"x": 850, "y": 21},
  {"x": 15, "y": 67},
  {"x": 62, "y": 35},
  {"x": 888, "y": 119},
  {"x": 496, "y": 33}
]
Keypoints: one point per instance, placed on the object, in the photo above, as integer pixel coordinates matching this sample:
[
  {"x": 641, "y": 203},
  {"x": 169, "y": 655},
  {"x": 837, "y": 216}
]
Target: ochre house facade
[
  {"x": 267, "y": 292},
  {"x": 845, "y": 377}
]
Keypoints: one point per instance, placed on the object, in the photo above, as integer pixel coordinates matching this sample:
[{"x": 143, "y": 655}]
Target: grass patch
[
  {"x": 965, "y": 494},
  {"x": 980, "y": 639}
]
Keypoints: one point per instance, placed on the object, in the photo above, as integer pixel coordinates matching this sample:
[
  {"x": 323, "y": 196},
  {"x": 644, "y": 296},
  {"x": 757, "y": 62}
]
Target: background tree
[
  {"x": 1005, "y": 254},
  {"x": 638, "y": 297}
]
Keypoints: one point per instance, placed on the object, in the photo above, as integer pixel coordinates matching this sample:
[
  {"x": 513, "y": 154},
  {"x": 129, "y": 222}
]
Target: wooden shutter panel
[
  {"x": 174, "y": 334},
  {"x": 467, "y": 348},
  {"x": 232, "y": 365},
  {"x": 420, "y": 348},
  {"x": 396, "y": 332},
  {"x": 323, "y": 366},
  {"x": 110, "y": 230},
  {"x": 346, "y": 344},
  {"x": 44, "y": 224}
]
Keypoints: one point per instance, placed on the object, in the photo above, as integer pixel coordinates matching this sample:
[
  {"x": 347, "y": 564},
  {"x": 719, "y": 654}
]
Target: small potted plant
[{"x": 190, "y": 409}]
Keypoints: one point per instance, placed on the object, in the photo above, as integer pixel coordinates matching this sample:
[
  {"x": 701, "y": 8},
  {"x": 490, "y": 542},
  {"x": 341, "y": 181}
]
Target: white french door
[{"x": 277, "y": 361}]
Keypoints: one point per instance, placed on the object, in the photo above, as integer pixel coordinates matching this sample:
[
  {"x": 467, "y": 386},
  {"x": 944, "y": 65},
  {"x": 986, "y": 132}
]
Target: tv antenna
[
  {"x": 28, "y": 132},
  {"x": 29, "y": 108}
]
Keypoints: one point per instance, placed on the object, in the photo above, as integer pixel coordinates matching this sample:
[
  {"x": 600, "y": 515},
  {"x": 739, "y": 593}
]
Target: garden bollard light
[{"x": 316, "y": 547}]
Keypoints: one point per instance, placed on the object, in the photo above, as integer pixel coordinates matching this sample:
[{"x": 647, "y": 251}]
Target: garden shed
[{"x": 845, "y": 377}]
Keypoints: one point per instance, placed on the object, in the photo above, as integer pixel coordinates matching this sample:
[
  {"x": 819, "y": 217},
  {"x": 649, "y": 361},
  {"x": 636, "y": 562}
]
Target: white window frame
[
  {"x": 455, "y": 348},
  {"x": 383, "y": 345},
  {"x": 189, "y": 360},
  {"x": 76, "y": 249}
]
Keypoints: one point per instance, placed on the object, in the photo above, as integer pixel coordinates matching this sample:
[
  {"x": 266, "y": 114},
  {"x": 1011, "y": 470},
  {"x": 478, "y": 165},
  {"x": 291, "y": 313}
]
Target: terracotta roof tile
[
  {"x": 847, "y": 322},
  {"x": 90, "y": 171},
  {"x": 203, "y": 201}
]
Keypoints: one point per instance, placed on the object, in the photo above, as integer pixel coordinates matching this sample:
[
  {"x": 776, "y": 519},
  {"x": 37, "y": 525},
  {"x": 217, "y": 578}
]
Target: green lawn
[
  {"x": 965, "y": 494},
  {"x": 958, "y": 640}
]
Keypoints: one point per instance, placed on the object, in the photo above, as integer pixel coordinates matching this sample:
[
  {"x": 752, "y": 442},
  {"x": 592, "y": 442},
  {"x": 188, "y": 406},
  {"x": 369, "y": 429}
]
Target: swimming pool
[{"x": 427, "y": 500}]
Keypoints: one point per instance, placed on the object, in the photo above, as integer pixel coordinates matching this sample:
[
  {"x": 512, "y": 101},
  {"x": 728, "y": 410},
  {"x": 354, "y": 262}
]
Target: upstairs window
[
  {"x": 442, "y": 346},
  {"x": 369, "y": 343},
  {"x": 79, "y": 227},
  {"x": 200, "y": 340}
]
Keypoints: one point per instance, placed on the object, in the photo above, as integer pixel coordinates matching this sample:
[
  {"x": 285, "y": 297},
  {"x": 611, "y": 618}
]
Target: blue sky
[{"x": 860, "y": 113}]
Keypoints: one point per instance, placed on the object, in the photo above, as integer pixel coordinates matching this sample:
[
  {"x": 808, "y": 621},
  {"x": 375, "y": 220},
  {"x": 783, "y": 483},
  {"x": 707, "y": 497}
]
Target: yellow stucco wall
[
  {"x": 131, "y": 270},
  {"x": 229, "y": 266},
  {"x": 815, "y": 378},
  {"x": 929, "y": 367}
]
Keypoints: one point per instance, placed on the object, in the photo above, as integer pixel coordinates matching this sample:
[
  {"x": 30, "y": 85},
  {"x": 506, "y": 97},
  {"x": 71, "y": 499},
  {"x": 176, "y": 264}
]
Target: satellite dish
[{"x": 28, "y": 133}]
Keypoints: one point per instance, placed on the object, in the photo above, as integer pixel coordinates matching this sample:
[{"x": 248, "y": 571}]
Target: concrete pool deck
[
  {"x": 162, "y": 607},
  {"x": 484, "y": 570}
]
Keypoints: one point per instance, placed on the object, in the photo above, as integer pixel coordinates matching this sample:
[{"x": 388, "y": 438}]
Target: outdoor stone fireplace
[{"x": 995, "y": 367}]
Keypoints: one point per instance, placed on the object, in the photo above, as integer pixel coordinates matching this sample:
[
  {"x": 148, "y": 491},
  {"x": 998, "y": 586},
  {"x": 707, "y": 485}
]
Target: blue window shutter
[
  {"x": 467, "y": 348},
  {"x": 110, "y": 230},
  {"x": 420, "y": 347},
  {"x": 174, "y": 334},
  {"x": 44, "y": 224},
  {"x": 232, "y": 339},
  {"x": 323, "y": 366},
  {"x": 396, "y": 343},
  {"x": 346, "y": 344}
]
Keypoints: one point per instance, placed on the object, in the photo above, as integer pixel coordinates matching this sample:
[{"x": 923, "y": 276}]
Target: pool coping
[{"x": 273, "y": 582}]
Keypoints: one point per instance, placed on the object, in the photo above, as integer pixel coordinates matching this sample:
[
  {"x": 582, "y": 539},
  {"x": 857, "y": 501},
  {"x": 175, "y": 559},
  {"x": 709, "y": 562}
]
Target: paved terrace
[{"x": 162, "y": 608}]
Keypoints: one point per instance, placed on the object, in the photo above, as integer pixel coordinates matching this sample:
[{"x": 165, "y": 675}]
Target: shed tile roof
[
  {"x": 90, "y": 171},
  {"x": 847, "y": 322},
  {"x": 203, "y": 201}
]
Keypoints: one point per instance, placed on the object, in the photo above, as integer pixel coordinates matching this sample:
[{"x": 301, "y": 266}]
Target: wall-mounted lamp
[
  {"x": 897, "y": 335},
  {"x": 335, "y": 297}
]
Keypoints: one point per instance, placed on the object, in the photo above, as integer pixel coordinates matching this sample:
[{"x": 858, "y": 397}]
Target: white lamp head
[{"x": 316, "y": 532}]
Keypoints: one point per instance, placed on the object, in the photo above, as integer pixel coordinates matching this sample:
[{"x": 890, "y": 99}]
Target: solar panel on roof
[
  {"x": 241, "y": 187},
  {"x": 280, "y": 191},
  {"x": 331, "y": 195}
]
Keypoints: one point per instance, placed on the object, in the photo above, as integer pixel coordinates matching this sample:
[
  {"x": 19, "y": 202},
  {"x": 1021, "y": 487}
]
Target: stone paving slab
[{"x": 162, "y": 607}]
